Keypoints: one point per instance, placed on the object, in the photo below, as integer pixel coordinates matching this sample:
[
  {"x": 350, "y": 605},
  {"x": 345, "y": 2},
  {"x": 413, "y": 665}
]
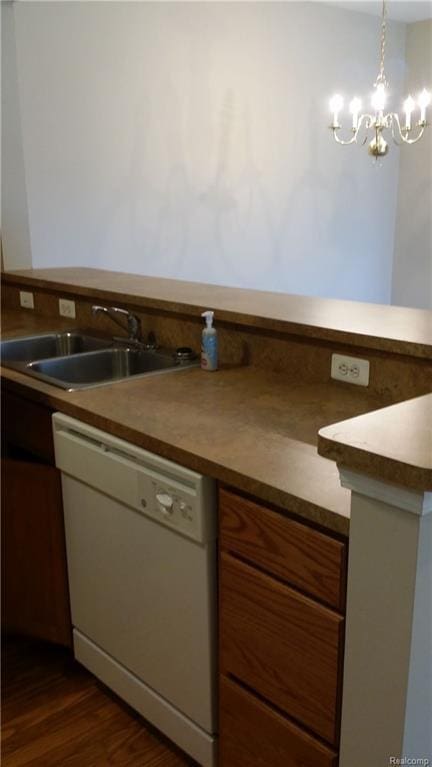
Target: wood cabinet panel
[
  {"x": 308, "y": 559},
  {"x": 28, "y": 425},
  {"x": 254, "y": 735},
  {"x": 35, "y": 593},
  {"x": 281, "y": 644}
]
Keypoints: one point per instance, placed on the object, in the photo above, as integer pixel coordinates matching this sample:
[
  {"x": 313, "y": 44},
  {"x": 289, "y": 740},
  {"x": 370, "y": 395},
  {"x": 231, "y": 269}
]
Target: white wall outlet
[
  {"x": 350, "y": 369},
  {"x": 67, "y": 308},
  {"x": 26, "y": 299}
]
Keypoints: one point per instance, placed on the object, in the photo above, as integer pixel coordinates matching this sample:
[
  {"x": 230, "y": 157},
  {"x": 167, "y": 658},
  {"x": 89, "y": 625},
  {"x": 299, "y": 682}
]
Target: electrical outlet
[
  {"x": 26, "y": 299},
  {"x": 350, "y": 369},
  {"x": 67, "y": 308}
]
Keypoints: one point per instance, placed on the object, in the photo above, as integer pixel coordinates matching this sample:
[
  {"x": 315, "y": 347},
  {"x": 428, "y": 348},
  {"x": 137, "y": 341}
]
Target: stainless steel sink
[
  {"x": 103, "y": 366},
  {"x": 75, "y": 360},
  {"x": 42, "y": 347}
]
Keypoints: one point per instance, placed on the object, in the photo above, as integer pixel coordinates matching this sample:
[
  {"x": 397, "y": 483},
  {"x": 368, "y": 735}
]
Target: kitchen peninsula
[{"x": 253, "y": 426}]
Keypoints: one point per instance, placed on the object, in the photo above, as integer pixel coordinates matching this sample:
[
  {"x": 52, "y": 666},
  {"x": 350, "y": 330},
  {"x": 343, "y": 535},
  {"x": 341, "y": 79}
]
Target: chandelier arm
[
  {"x": 369, "y": 121},
  {"x": 365, "y": 118},
  {"x": 404, "y": 139},
  {"x": 393, "y": 120},
  {"x": 343, "y": 142}
]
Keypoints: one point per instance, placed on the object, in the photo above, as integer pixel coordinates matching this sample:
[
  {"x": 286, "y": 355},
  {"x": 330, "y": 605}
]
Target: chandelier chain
[{"x": 381, "y": 77}]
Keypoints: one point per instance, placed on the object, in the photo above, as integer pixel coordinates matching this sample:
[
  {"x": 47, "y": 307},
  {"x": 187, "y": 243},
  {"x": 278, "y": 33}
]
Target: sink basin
[
  {"x": 75, "y": 360},
  {"x": 49, "y": 345},
  {"x": 104, "y": 366}
]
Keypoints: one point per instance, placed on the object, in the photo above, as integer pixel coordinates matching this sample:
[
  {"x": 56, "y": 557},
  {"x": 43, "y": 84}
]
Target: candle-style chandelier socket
[{"x": 371, "y": 126}]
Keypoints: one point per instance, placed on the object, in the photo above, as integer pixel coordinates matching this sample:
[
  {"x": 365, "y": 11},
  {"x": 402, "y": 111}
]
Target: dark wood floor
[{"x": 55, "y": 713}]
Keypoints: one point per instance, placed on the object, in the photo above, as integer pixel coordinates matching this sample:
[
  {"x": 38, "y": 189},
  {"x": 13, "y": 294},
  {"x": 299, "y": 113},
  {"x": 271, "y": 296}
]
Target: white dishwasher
[{"x": 141, "y": 551}]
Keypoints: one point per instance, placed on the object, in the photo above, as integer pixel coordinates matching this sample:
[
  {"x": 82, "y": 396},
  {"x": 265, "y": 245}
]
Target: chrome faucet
[
  {"x": 133, "y": 326},
  {"x": 133, "y": 323}
]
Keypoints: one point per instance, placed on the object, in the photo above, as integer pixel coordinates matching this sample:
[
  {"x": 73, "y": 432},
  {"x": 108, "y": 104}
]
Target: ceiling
[{"x": 398, "y": 10}]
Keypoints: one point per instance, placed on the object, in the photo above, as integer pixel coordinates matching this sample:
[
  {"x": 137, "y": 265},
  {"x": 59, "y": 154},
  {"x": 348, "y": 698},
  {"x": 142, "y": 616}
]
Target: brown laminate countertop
[
  {"x": 393, "y": 443},
  {"x": 393, "y": 329},
  {"x": 252, "y": 429}
]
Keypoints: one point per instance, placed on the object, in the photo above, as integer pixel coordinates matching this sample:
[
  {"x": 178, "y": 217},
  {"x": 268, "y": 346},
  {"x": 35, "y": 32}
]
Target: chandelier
[{"x": 371, "y": 126}]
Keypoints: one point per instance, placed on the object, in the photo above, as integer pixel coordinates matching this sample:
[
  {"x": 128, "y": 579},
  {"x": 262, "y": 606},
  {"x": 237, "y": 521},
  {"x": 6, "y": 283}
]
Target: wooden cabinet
[
  {"x": 281, "y": 644},
  {"x": 35, "y": 596},
  {"x": 310, "y": 560},
  {"x": 254, "y": 735},
  {"x": 27, "y": 426}
]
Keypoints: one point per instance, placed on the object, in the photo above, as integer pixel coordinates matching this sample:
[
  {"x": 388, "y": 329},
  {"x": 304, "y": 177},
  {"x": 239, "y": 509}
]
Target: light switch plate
[
  {"x": 67, "y": 308},
  {"x": 350, "y": 369},
  {"x": 26, "y": 299}
]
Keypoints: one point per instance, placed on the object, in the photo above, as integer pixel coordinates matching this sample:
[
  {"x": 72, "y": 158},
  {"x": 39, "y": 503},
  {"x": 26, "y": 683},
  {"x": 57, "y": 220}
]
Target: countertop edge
[{"x": 338, "y": 443}]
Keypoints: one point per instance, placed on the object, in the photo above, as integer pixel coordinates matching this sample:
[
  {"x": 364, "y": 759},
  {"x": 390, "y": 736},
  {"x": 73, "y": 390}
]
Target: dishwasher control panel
[
  {"x": 175, "y": 507},
  {"x": 187, "y": 509}
]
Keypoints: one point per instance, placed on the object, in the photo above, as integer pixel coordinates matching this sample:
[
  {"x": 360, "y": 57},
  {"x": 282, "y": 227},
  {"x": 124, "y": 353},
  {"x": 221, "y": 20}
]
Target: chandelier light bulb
[
  {"x": 409, "y": 106},
  {"x": 336, "y": 104},
  {"x": 354, "y": 107},
  {"x": 379, "y": 98},
  {"x": 424, "y": 99}
]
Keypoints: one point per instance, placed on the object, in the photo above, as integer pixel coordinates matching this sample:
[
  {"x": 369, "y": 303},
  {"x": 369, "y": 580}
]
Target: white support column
[{"x": 387, "y": 690}]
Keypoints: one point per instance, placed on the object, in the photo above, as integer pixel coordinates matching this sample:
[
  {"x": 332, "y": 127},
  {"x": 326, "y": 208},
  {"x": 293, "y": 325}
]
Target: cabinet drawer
[
  {"x": 253, "y": 735},
  {"x": 309, "y": 560},
  {"x": 28, "y": 425},
  {"x": 281, "y": 644}
]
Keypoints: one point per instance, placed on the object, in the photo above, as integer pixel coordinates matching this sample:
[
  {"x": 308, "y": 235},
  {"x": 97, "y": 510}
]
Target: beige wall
[
  {"x": 191, "y": 140},
  {"x": 14, "y": 213},
  {"x": 412, "y": 270}
]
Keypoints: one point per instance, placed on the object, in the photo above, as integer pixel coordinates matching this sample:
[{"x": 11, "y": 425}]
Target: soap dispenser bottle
[{"x": 209, "y": 343}]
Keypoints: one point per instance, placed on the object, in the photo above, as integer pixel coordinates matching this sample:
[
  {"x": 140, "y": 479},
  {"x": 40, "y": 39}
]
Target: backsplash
[{"x": 394, "y": 377}]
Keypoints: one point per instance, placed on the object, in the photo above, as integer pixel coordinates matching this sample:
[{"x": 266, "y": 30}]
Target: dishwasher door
[{"x": 142, "y": 589}]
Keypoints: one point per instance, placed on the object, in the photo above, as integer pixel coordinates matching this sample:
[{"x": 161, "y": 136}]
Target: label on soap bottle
[{"x": 209, "y": 351}]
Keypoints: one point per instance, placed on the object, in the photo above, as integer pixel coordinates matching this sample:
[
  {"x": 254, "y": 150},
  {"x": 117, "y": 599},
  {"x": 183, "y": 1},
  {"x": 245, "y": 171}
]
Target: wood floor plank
[{"x": 54, "y": 713}]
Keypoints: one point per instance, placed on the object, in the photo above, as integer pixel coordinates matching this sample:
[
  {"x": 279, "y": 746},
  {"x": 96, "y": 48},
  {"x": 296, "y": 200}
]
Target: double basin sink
[{"x": 75, "y": 360}]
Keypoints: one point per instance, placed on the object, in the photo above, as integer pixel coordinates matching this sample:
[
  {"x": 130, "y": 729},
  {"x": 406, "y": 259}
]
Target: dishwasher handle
[
  {"x": 88, "y": 441},
  {"x": 88, "y": 436}
]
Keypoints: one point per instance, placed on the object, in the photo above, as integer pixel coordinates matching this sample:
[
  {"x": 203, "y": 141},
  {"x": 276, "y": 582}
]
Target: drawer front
[
  {"x": 281, "y": 644},
  {"x": 253, "y": 735},
  {"x": 309, "y": 560}
]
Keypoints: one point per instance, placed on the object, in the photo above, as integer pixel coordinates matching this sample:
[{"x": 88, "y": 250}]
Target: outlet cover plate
[
  {"x": 26, "y": 299},
  {"x": 352, "y": 370},
  {"x": 67, "y": 308}
]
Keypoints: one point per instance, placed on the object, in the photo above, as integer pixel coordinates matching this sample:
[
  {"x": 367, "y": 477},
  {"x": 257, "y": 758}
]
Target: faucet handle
[{"x": 134, "y": 326}]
